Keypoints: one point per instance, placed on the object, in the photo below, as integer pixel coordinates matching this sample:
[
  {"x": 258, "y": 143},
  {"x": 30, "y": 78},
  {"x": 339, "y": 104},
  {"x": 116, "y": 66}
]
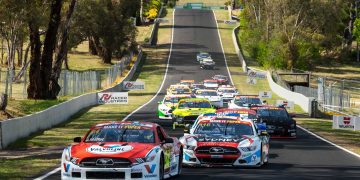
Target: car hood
[{"x": 113, "y": 149}]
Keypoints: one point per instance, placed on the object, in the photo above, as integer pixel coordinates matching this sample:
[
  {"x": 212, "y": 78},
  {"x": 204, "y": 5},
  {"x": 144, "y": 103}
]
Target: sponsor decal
[
  {"x": 104, "y": 161},
  {"x": 209, "y": 139},
  {"x": 285, "y": 103},
  {"x": 108, "y": 149},
  {"x": 216, "y": 150},
  {"x": 136, "y": 170},
  {"x": 253, "y": 158},
  {"x": 113, "y": 98},
  {"x": 150, "y": 170},
  {"x": 217, "y": 156},
  {"x": 66, "y": 167},
  {"x": 346, "y": 120},
  {"x": 245, "y": 154},
  {"x": 132, "y": 85}
]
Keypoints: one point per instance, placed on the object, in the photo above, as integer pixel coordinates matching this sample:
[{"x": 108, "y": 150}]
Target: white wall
[
  {"x": 303, "y": 101},
  {"x": 237, "y": 49},
  {"x": 14, "y": 129}
]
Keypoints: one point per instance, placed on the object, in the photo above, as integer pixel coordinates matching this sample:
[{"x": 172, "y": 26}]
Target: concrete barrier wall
[
  {"x": 303, "y": 101},
  {"x": 238, "y": 50},
  {"x": 14, "y": 129}
]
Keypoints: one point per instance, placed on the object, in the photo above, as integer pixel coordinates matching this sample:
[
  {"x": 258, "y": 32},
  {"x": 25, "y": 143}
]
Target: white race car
[
  {"x": 166, "y": 106},
  {"x": 225, "y": 141},
  {"x": 213, "y": 97},
  {"x": 244, "y": 101},
  {"x": 202, "y": 55},
  {"x": 211, "y": 84},
  {"x": 227, "y": 92}
]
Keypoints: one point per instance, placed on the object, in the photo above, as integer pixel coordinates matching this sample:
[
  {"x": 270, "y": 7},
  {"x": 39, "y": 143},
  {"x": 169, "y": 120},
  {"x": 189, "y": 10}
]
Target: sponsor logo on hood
[
  {"x": 218, "y": 139},
  {"x": 108, "y": 149}
]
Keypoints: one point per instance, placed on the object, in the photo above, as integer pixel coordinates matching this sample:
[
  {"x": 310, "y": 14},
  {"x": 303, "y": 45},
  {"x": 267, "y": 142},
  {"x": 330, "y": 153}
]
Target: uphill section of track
[{"x": 306, "y": 157}]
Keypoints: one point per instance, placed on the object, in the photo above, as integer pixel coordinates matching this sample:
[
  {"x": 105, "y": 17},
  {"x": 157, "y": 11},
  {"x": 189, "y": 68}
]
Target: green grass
[
  {"x": 152, "y": 71},
  {"x": 28, "y": 106},
  {"x": 237, "y": 74}
]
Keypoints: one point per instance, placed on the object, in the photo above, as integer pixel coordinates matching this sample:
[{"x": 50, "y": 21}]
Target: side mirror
[
  {"x": 292, "y": 115},
  {"x": 264, "y": 101},
  {"x": 169, "y": 140},
  {"x": 77, "y": 139}
]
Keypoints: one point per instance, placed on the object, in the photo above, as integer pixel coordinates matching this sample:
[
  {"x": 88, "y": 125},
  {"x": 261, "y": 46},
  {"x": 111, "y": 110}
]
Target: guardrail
[
  {"x": 238, "y": 50},
  {"x": 14, "y": 129}
]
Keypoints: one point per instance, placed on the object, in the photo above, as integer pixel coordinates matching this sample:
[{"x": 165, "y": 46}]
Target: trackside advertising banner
[
  {"x": 265, "y": 94},
  {"x": 113, "y": 98},
  {"x": 133, "y": 85},
  {"x": 346, "y": 122},
  {"x": 285, "y": 103}
]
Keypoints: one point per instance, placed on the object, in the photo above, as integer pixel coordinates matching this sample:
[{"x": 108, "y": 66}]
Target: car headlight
[
  {"x": 68, "y": 157},
  {"x": 249, "y": 148},
  {"x": 164, "y": 109}
]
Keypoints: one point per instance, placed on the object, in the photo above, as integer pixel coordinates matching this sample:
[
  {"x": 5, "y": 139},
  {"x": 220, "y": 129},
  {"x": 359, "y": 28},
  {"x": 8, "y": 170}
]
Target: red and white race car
[
  {"x": 123, "y": 150},
  {"x": 225, "y": 141}
]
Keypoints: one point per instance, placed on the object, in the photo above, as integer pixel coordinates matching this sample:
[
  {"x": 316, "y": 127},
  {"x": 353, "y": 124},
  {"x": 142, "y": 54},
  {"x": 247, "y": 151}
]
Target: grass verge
[{"x": 152, "y": 71}]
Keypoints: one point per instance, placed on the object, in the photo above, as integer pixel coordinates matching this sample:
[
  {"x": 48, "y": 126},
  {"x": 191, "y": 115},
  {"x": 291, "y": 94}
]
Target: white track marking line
[
  {"x": 162, "y": 84},
  {"x": 166, "y": 71},
  {"x": 222, "y": 48},
  {"x": 48, "y": 174},
  {"x": 321, "y": 138}
]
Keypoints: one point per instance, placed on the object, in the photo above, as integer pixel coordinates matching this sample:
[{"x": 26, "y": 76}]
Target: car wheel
[{"x": 161, "y": 167}]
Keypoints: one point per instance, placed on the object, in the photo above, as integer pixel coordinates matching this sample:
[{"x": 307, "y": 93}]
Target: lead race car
[
  {"x": 225, "y": 141},
  {"x": 123, "y": 150}
]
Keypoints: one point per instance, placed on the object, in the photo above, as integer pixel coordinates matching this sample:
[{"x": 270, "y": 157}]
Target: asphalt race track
[{"x": 306, "y": 157}]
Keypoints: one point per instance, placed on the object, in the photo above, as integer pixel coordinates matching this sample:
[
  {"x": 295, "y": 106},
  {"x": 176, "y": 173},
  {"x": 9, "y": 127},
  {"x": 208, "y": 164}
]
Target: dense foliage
[{"x": 289, "y": 34}]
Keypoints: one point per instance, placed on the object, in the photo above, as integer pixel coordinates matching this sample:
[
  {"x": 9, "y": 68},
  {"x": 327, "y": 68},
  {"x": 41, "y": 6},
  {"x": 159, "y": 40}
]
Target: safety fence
[{"x": 71, "y": 82}]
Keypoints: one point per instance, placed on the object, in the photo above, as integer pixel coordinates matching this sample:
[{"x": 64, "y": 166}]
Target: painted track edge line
[
  {"x": 165, "y": 75},
  {"x": 323, "y": 139},
  {"x": 162, "y": 84},
  {"x": 222, "y": 48},
  {"x": 48, "y": 174}
]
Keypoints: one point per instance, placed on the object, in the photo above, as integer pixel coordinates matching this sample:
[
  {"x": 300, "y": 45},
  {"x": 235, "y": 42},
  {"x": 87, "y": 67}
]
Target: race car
[
  {"x": 279, "y": 124},
  {"x": 202, "y": 55},
  {"x": 123, "y": 150},
  {"x": 225, "y": 141},
  {"x": 187, "y": 82},
  {"x": 207, "y": 63},
  {"x": 221, "y": 79},
  {"x": 166, "y": 106},
  {"x": 213, "y": 97},
  {"x": 194, "y": 87},
  {"x": 245, "y": 101},
  {"x": 227, "y": 92},
  {"x": 211, "y": 84},
  {"x": 178, "y": 89},
  {"x": 189, "y": 109},
  {"x": 243, "y": 113}
]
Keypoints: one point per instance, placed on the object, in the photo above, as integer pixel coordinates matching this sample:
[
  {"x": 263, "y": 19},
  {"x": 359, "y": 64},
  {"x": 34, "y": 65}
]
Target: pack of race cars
[{"x": 222, "y": 127}]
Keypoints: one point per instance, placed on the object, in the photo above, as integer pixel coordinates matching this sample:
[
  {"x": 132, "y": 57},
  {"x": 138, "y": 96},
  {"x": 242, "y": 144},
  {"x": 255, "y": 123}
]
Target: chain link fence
[{"x": 72, "y": 82}]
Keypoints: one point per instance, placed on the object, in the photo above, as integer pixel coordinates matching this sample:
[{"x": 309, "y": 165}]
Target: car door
[{"x": 167, "y": 149}]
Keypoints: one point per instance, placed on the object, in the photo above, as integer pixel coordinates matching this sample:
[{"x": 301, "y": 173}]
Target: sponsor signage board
[
  {"x": 133, "y": 85},
  {"x": 346, "y": 122},
  {"x": 285, "y": 103},
  {"x": 113, "y": 98},
  {"x": 257, "y": 74},
  {"x": 265, "y": 94}
]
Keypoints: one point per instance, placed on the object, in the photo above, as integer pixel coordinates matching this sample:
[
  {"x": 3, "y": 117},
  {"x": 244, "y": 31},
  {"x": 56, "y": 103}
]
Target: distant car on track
[
  {"x": 178, "y": 89},
  {"x": 202, "y": 55},
  {"x": 207, "y": 63},
  {"x": 227, "y": 92},
  {"x": 215, "y": 99},
  {"x": 187, "y": 82},
  {"x": 221, "y": 79},
  {"x": 188, "y": 110},
  {"x": 224, "y": 141},
  {"x": 245, "y": 101},
  {"x": 123, "y": 150},
  {"x": 211, "y": 84}
]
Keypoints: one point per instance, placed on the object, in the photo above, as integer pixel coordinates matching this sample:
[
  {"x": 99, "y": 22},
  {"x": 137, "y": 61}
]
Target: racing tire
[{"x": 161, "y": 168}]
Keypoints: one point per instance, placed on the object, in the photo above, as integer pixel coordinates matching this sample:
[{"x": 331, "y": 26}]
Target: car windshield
[
  {"x": 272, "y": 113},
  {"x": 194, "y": 104},
  {"x": 182, "y": 90},
  {"x": 244, "y": 100},
  {"x": 198, "y": 86},
  {"x": 227, "y": 90},
  {"x": 171, "y": 100},
  {"x": 220, "y": 77},
  {"x": 207, "y": 93},
  {"x": 224, "y": 128},
  {"x": 204, "y": 55},
  {"x": 128, "y": 133},
  {"x": 211, "y": 83}
]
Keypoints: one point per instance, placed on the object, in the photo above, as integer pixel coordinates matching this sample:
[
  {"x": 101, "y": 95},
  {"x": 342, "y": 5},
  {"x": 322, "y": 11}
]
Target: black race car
[{"x": 279, "y": 123}]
